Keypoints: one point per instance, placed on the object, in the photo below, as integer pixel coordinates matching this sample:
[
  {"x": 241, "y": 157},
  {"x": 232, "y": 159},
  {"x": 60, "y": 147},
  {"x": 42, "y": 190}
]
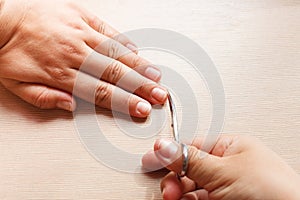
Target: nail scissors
[{"x": 174, "y": 126}]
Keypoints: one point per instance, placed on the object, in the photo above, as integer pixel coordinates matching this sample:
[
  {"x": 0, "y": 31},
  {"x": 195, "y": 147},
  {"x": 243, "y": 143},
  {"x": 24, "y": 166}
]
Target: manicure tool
[{"x": 174, "y": 125}]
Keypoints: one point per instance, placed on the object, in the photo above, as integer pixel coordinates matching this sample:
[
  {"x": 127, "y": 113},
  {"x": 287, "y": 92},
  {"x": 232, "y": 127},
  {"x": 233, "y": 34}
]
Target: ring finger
[
  {"x": 116, "y": 73},
  {"x": 107, "y": 95}
]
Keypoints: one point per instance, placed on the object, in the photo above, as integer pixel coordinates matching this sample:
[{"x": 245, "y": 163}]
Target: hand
[
  {"x": 238, "y": 167},
  {"x": 44, "y": 43}
]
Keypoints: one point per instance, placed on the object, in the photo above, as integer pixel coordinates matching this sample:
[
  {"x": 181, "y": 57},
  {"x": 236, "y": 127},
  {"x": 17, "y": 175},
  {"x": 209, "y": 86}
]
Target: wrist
[{"x": 11, "y": 14}]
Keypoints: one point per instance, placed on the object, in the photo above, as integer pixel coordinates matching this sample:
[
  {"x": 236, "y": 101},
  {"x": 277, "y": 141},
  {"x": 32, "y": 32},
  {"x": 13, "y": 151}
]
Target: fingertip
[
  {"x": 166, "y": 148},
  {"x": 167, "y": 193},
  {"x": 74, "y": 105},
  {"x": 168, "y": 153},
  {"x": 153, "y": 93},
  {"x": 150, "y": 162},
  {"x": 145, "y": 159},
  {"x": 159, "y": 94},
  {"x": 64, "y": 105},
  {"x": 171, "y": 188},
  {"x": 140, "y": 109},
  {"x": 67, "y": 102}
]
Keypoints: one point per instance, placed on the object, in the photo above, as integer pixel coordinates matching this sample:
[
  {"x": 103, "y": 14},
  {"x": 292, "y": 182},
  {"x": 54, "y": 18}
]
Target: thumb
[
  {"x": 203, "y": 168},
  {"x": 42, "y": 96}
]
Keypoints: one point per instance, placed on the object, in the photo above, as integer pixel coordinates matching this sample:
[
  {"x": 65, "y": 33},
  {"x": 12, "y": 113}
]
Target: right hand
[
  {"x": 238, "y": 167},
  {"x": 43, "y": 45}
]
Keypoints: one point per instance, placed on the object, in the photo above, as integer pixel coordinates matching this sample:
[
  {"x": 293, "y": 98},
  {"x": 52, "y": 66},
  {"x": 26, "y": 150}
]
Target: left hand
[{"x": 43, "y": 45}]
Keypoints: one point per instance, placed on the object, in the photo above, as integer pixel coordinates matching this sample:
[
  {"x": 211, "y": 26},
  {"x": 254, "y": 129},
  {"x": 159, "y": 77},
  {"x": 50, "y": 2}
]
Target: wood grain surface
[{"x": 255, "y": 45}]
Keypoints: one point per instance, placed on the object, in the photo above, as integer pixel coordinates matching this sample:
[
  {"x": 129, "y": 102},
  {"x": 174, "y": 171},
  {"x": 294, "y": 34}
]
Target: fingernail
[
  {"x": 152, "y": 73},
  {"x": 143, "y": 108},
  {"x": 132, "y": 47},
  {"x": 159, "y": 94},
  {"x": 167, "y": 149},
  {"x": 65, "y": 105}
]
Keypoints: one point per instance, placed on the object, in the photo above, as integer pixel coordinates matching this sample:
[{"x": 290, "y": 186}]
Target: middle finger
[
  {"x": 115, "y": 50},
  {"x": 116, "y": 73}
]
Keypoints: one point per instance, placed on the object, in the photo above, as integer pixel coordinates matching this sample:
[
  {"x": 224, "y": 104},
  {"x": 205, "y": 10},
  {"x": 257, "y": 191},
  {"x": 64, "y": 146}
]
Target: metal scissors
[{"x": 174, "y": 126}]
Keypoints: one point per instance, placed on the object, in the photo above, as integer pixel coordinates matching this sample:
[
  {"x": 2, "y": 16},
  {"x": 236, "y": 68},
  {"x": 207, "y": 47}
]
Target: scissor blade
[{"x": 173, "y": 116}]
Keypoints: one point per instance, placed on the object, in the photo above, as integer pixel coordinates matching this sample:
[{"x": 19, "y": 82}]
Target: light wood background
[{"x": 255, "y": 45}]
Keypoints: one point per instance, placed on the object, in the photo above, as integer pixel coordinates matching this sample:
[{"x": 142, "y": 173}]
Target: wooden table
[{"x": 256, "y": 48}]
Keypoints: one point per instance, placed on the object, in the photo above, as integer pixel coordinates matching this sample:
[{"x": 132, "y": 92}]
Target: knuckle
[
  {"x": 137, "y": 63},
  {"x": 76, "y": 25},
  {"x": 41, "y": 100},
  {"x": 69, "y": 53},
  {"x": 114, "y": 72},
  {"x": 193, "y": 154},
  {"x": 58, "y": 74},
  {"x": 94, "y": 22},
  {"x": 100, "y": 26},
  {"x": 145, "y": 87},
  {"x": 97, "y": 24},
  {"x": 195, "y": 160},
  {"x": 103, "y": 94},
  {"x": 69, "y": 48},
  {"x": 200, "y": 165},
  {"x": 114, "y": 50}
]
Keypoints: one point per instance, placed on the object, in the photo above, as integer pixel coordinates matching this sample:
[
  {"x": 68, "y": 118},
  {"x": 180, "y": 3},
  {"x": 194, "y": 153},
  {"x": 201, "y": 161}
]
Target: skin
[
  {"x": 238, "y": 167},
  {"x": 43, "y": 45}
]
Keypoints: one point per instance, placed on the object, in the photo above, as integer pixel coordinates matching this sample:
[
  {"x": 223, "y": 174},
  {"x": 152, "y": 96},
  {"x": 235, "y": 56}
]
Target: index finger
[
  {"x": 117, "y": 51},
  {"x": 104, "y": 28}
]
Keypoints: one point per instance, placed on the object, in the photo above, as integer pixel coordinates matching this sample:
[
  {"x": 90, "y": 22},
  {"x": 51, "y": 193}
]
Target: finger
[
  {"x": 173, "y": 188},
  {"x": 150, "y": 162},
  {"x": 101, "y": 93},
  {"x": 118, "y": 74},
  {"x": 103, "y": 28},
  {"x": 196, "y": 195},
  {"x": 108, "y": 96},
  {"x": 113, "y": 49},
  {"x": 220, "y": 147},
  {"x": 42, "y": 96},
  {"x": 203, "y": 168}
]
